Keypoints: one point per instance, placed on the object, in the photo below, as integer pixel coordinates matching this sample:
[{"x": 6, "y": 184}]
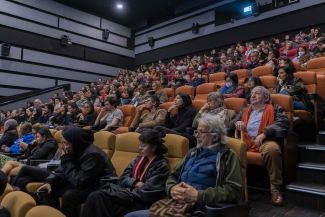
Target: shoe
[
  {"x": 276, "y": 198},
  {"x": 296, "y": 121}
]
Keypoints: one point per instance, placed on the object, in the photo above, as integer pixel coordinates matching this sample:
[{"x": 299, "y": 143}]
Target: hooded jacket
[
  {"x": 9, "y": 137},
  {"x": 44, "y": 151},
  {"x": 82, "y": 168}
]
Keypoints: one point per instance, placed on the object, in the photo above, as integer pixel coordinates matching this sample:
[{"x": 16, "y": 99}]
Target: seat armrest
[
  {"x": 151, "y": 196},
  {"x": 111, "y": 128},
  {"x": 52, "y": 167},
  {"x": 37, "y": 162},
  {"x": 281, "y": 133},
  {"x": 12, "y": 154},
  {"x": 313, "y": 96},
  {"x": 226, "y": 209},
  {"x": 230, "y": 132},
  {"x": 132, "y": 129},
  {"x": 104, "y": 181}
]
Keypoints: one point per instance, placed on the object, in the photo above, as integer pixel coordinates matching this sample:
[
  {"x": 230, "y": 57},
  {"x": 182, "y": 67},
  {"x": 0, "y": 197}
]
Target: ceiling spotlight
[{"x": 120, "y": 6}]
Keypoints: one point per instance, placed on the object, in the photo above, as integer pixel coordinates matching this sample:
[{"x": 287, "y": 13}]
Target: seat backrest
[
  {"x": 268, "y": 81},
  {"x": 235, "y": 104},
  {"x": 52, "y": 132},
  {"x": 57, "y": 138},
  {"x": 310, "y": 80},
  {"x": 186, "y": 89},
  {"x": 170, "y": 93},
  {"x": 203, "y": 90},
  {"x": 44, "y": 211},
  {"x": 7, "y": 190},
  {"x": 97, "y": 110},
  {"x": 128, "y": 113},
  {"x": 240, "y": 148},
  {"x": 297, "y": 65},
  {"x": 18, "y": 131},
  {"x": 198, "y": 104},
  {"x": 18, "y": 203},
  {"x": 242, "y": 75},
  {"x": 292, "y": 52},
  {"x": 178, "y": 147},
  {"x": 167, "y": 105},
  {"x": 126, "y": 150},
  {"x": 262, "y": 70},
  {"x": 106, "y": 141},
  {"x": 317, "y": 65},
  {"x": 218, "y": 78},
  {"x": 286, "y": 103}
]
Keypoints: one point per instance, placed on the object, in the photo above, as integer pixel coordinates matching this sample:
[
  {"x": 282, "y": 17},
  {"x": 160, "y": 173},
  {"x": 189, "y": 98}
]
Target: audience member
[
  {"x": 254, "y": 62},
  {"x": 178, "y": 81},
  {"x": 139, "y": 97},
  {"x": 232, "y": 66},
  {"x": 188, "y": 183},
  {"x": 46, "y": 114},
  {"x": 159, "y": 91},
  {"x": 92, "y": 96},
  {"x": 90, "y": 117},
  {"x": 63, "y": 118},
  {"x": 29, "y": 104},
  {"x": 74, "y": 112},
  {"x": 10, "y": 134},
  {"x": 22, "y": 116},
  {"x": 37, "y": 113},
  {"x": 232, "y": 89},
  {"x": 217, "y": 66},
  {"x": 82, "y": 164},
  {"x": 252, "y": 82},
  {"x": 197, "y": 79},
  {"x": 259, "y": 122},
  {"x": 149, "y": 171},
  {"x": 57, "y": 102}
]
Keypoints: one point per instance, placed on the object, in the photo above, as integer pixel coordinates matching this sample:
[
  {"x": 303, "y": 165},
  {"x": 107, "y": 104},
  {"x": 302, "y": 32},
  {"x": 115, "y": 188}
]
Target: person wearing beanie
[{"x": 82, "y": 165}]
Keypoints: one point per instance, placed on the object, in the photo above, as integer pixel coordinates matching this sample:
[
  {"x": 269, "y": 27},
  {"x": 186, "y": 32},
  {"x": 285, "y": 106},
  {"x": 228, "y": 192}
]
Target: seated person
[
  {"x": 74, "y": 112},
  {"x": 287, "y": 84},
  {"x": 232, "y": 66},
  {"x": 252, "y": 82},
  {"x": 63, "y": 118},
  {"x": 90, "y": 117},
  {"x": 22, "y": 116},
  {"x": 232, "y": 89},
  {"x": 272, "y": 59},
  {"x": 217, "y": 66},
  {"x": 82, "y": 164},
  {"x": 43, "y": 147},
  {"x": 46, "y": 114},
  {"x": 189, "y": 183},
  {"x": 216, "y": 106},
  {"x": 178, "y": 81},
  {"x": 140, "y": 97},
  {"x": 259, "y": 130},
  {"x": 148, "y": 171},
  {"x": 197, "y": 79},
  {"x": 128, "y": 96},
  {"x": 320, "y": 48},
  {"x": 10, "y": 134},
  {"x": 159, "y": 91},
  {"x": 303, "y": 56},
  {"x": 164, "y": 81},
  {"x": 155, "y": 116},
  {"x": 289, "y": 46},
  {"x": 113, "y": 119},
  {"x": 254, "y": 62}
]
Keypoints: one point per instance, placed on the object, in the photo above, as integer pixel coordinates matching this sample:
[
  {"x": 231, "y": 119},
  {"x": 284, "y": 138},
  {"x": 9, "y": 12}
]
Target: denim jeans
[
  {"x": 297, "y": 105},
  {"x": 140, "y": 213}
]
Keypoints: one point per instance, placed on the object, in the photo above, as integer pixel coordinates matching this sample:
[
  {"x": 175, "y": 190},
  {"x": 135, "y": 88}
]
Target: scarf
[
  {"x": 220, "y": 112},
  {"x": 267, "y": 119},
  {"x": 139, "y": 171},
  {"x": 227, "y": 90}
]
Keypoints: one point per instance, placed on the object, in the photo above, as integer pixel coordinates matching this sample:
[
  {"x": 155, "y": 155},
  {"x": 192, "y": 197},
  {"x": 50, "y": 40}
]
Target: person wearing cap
[{"x": 82, "y": 165}]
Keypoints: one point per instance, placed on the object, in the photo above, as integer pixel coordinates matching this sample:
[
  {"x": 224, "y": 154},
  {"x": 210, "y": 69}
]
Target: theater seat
[
  {"x": 167, "y": 105},
  {"x": 262, "y": 70},
  {"x": 268, "y": 81},
  {"x": 186, "y": 89},
  {"x": 198, "y": 104},
  {"x": 170, "y": 93},
  {"x": 44, "y": 211},
  {"x": 297, "y": 65},
  {"x": 218, "y": 78},
  {"x": 242, "y": 75},
  {"x": 18, "y": 203},
  {"x": 203, "y": 90},
  {"x": 7, "y": 190},
  {"x": 235, "y": 104},
  {"x": 128, "y": 124},
  {"x": 106, "y": 141},
  {"x": 317, "y": 65}
]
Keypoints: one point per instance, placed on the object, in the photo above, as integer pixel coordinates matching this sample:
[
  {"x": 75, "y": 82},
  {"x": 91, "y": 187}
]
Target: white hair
[{"x": 217, "y": 127}]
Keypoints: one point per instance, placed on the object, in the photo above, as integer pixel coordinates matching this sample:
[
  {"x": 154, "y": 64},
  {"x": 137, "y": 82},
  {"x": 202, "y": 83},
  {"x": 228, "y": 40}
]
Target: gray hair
[
  {"x": 267, "y": 93},
  {"x": 256, "y": 53},
  {"x": 217, "y": 127},
  {"x": 11, "y": 123},
  {"x": 216, "y": 96},
  {"x": 38, "y": 100}
]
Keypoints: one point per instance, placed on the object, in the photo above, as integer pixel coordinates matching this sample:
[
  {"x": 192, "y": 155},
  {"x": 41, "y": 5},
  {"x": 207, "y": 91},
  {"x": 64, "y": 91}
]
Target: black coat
[
  {"x": 21, "y": 118},
  {"x": 9, "y": 137},
  {"x": 34, "y": 120},
  {"x": 85, "y": 173},
  {"x": 89, "y": 119},
  {"x": 73, "y": 116},
  {"x": 63, "y": 119},
  {"x": 45, "y": 151},
  {"x": 154, "y": 179},
  {"x": 182, "y": 119}
]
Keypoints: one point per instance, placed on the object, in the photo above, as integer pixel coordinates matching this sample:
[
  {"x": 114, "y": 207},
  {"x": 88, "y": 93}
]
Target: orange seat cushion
[{"x": 255, "y": 159}]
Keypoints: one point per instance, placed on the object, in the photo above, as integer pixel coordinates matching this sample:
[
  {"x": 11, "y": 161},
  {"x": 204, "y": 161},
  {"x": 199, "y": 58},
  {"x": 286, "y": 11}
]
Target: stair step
[
  {"x": 311, "y": 153},
  {"x": 306, "y": 195},
  {"x": 311, "y": 172},
  {"x": 311, "y": 166}
]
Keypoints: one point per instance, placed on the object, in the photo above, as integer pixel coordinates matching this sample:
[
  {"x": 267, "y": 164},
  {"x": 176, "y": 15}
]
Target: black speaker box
[
  {"x": 5, "y": 49},
  {"x": 105, "y": 34},
  {"x": 255, "y": 9},
  {"x": 195, "y": 28},
  {"x": 151, "y": 41}
]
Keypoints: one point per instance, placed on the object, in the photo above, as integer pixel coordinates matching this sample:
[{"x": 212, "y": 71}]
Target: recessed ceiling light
[{"x": 119, "y": 6}]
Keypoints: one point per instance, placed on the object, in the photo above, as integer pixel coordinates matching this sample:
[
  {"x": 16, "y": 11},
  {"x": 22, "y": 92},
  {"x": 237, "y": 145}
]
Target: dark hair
[
  {"x": 93, "y": 96},
  {"x": 233, "y": 77},
  {"x": 289, "y": 70},
  {"x": 275, "y": 52},
  {"x": 165, "y": 79},
  {"x": 216, "y": 60},
  {"x": 65, "y": 107},
  {"x": 52, "y": 99},
  {"x": 256, "y": 80},
  {"x": 58, "y": 98},
  {"x": 154, "y": 138},
  {"x": 112, "y": 101},
  {"x": 65, "y": 101},
  {"x": 57, "y": 94},
  {"x": 186, "y": 99},
  {"x": 45, "y": 132},
  {"x": 24, "y": 109},
  {"x": 129, "y": 92},
  {"x": 155, "y": 99},
  {"x": 287, "y": 60},
  {"x": 91, "y": 105},
  {"x": 50, "y": 107},
  {"x": 73, "y": 105},
  {"x": 38, "y": 112},
  {"x": 197, "y": 71},
  {"x": 29, "y": 104}
]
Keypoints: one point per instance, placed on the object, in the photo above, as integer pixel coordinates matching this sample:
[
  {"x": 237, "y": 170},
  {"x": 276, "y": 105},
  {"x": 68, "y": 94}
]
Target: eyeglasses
[
  {"x": 197, "y": 132},
  {"x": 86, "y": 107},
  {"x": 147, "y": 101}
]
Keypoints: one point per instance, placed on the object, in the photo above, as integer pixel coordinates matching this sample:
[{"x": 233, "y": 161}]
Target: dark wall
[{"x": 290, "y": 22}]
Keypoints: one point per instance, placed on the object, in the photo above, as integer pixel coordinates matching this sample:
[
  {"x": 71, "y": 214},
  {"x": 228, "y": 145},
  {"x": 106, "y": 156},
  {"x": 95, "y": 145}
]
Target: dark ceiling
[{"x": 134, "y": 11}]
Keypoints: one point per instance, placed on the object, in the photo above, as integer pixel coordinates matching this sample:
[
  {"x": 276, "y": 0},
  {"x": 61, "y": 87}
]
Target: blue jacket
[
  {"x": 27, "y": 139},
  {"x": 45, "y": 119},
  {"x": 196, "y": 82}
]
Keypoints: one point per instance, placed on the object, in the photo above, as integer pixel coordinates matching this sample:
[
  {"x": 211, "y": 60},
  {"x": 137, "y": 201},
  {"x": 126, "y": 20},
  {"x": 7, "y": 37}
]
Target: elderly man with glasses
[
  {"x": 209, "y": 173},
  {"x": 37, "y": 103}
]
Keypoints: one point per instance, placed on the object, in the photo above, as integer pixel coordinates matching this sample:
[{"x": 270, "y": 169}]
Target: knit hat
[{"x": 3, "y": 182}]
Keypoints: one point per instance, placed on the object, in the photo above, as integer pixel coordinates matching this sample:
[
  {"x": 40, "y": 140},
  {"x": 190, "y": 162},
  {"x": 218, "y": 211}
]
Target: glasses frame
[{"x": 197, "y": 132}]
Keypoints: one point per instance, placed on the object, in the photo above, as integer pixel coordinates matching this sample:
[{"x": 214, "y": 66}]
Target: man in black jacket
[
  {"x": 82, "y": 165},
  {"x": 22, "y": 116},
  {"x": 10, "y": 133},
  {"x": 179, "y": 80}
]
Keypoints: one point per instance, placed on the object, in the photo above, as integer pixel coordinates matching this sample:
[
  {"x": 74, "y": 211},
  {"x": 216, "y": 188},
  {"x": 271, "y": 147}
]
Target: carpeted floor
[{"x": 261, "y": 207}]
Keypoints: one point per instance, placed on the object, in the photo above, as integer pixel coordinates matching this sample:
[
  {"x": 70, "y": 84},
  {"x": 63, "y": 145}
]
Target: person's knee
[
  {"x": 69, "y": 196},
  {"x": 272, "y": 148}
]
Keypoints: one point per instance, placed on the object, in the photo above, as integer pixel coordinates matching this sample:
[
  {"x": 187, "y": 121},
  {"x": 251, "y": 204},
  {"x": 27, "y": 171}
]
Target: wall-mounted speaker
[
  {"x": 255, "y": 9},
  {"x": 151, "y": 41},
  {"x": 5, "y": 49},
  {"x": 195, "y": 28},
  {"x": 105, "y": 34}
]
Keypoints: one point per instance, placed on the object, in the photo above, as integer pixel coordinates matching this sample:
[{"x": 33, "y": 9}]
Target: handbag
[
  {"x": 170, "y": 208},
  {"x": 117, "y": 194}
]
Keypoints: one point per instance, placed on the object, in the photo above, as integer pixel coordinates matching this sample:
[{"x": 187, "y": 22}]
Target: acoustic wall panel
[
  {"x": 10, "y": 91},
  {"x": 28, "y": 13},
  {"x": 25, "y": 81},
  {"x": 116, "y": 28},
  {"x": 74, "y": 85}
]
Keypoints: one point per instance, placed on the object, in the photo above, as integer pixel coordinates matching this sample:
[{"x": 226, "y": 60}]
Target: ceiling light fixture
[{"x": 120, "y": 6}]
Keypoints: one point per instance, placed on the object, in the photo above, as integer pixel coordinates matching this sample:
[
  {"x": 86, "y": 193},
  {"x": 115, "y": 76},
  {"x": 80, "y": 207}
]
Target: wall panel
[
  {"x": 15, "y": 52},
  {"x": 25, "y": 81}
]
